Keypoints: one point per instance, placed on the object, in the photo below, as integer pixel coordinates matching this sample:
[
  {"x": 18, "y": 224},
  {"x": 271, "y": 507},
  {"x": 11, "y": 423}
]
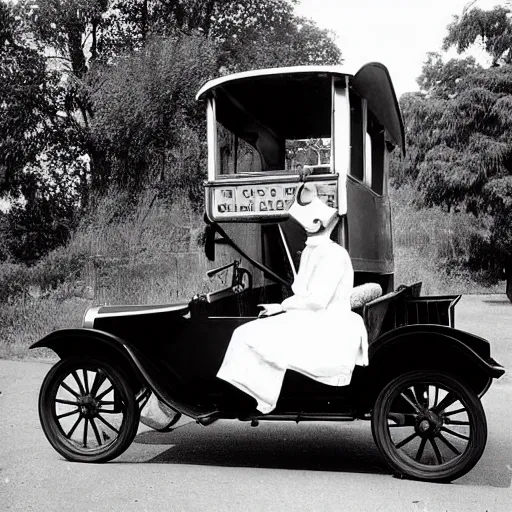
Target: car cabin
[{"x": 267, "y": 129}]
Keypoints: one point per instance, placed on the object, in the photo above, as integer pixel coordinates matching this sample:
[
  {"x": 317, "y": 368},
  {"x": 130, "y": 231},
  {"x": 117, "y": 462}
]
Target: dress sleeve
[{"x": 323, "y": 282}]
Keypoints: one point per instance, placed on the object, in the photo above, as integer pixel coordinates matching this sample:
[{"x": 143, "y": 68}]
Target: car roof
[
  {"x": 372, "y": 82},
  {"x": 256, "y": 73}
]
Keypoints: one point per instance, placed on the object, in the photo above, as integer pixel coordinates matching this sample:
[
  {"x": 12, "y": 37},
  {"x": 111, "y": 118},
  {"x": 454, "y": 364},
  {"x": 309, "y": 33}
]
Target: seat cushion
[{"x": 364, "y": 293}]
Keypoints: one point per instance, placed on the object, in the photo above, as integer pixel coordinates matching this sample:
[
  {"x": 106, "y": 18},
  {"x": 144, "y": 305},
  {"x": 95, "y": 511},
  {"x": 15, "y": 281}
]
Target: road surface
[{"x": 230, "y": 466}]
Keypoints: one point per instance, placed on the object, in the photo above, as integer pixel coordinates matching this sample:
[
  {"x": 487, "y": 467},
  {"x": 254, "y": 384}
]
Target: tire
[
  {"x": 87, "y": 410},
  {"x": 429, "y": 426}
]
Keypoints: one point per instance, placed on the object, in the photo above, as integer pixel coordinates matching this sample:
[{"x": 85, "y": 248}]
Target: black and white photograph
[{"x": 255, "y": 255}]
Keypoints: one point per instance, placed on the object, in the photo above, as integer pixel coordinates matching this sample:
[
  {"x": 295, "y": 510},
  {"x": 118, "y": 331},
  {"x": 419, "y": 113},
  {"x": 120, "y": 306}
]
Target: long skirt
[{"x": 321, "y": 345}]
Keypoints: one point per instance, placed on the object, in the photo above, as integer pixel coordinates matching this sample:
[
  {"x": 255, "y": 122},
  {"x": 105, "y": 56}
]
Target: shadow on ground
[
  {"x": 497, "y": 302},
  {"x": 345, "y": 447},
  {"x": 317, "y": 447}
]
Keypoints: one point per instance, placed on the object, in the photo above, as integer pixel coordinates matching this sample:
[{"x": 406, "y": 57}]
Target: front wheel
[
  {"x": 429, "y": 426},
  {"x": 87, "y": 410}
]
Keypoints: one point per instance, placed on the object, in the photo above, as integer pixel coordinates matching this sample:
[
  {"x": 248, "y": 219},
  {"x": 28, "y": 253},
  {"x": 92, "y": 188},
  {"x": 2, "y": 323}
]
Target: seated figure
[{"x": 314, "y": 331}]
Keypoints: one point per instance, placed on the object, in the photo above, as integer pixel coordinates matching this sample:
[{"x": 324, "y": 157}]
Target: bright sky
[{"x": 398, "y": 33}]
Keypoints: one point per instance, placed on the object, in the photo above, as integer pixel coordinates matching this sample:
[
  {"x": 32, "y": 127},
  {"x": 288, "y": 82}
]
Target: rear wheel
[
  {"x": 87, "y": 410},
  {"x": 429, "y": 426}
]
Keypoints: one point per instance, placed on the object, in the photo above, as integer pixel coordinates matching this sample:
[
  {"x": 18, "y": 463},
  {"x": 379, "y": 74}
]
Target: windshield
[
  {"x": 262, "y": 152},
  {"x": 304, "y": 153}
]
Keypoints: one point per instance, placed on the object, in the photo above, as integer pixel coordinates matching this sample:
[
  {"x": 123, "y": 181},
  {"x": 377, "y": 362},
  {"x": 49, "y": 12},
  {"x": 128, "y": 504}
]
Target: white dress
[{"x": 318, "y": 335}]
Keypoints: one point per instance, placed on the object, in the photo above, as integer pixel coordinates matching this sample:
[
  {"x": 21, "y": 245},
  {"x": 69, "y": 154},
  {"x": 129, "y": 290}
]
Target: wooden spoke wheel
[
  {"x": 87, "y": 410},
  {"x": 429, "y": 426}
]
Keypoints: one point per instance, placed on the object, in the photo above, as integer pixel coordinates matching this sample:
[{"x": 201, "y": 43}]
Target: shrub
[
  {"x": 438, "y": 247},
  {"x": 14, "y": 281}
]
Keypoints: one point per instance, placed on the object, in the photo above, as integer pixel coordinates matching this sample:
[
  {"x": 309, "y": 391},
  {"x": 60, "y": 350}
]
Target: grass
[
  {"x": 153, "y": 255},
  {"x": 23, "y": 324},
  {"x": 428, "y": 244},
  {"x": 411, "y": 267}
]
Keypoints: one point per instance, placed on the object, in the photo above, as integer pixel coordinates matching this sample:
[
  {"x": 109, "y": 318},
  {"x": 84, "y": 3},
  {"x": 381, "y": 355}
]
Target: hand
[{"x": 270, "y": 310}]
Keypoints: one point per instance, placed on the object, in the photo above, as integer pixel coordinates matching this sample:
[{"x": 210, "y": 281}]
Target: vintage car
[{"x": 269, "y": 130}]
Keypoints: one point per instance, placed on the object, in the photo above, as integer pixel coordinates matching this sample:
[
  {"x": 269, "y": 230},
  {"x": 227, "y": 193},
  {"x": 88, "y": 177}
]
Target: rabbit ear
[{"x": 306, "y": 193}]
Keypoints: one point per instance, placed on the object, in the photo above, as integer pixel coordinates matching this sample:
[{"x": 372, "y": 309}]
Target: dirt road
[{"x": 231, "y": 466}]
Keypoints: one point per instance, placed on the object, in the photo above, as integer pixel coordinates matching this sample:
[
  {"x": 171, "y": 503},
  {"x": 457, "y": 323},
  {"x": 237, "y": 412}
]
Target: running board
[{"x": 297, "y": 417}]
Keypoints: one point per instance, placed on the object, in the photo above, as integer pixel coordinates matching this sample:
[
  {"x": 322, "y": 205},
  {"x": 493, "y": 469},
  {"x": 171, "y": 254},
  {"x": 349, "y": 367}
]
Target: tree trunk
[
  {"x": 144, "y": 22},
  {"x": 94, "y": 44},
  {"x": 75, "y": 49}
]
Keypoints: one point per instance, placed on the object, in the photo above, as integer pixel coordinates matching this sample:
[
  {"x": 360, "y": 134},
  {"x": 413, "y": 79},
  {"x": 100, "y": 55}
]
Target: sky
[{"x": 397, "y": 33}]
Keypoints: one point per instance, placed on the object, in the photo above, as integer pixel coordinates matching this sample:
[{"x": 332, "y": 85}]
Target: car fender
[
  {"x": 139, "y": 370},
  {"x": 438, "y": 347},
  {"x": 92, "y": 343}
]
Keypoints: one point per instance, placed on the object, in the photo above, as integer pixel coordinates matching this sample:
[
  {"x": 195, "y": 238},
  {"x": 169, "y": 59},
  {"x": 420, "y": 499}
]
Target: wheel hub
[
  {"x": 428, "y": 424},
  {"x": 88, "y": 406},
  {"x": 424, "y": 425}
]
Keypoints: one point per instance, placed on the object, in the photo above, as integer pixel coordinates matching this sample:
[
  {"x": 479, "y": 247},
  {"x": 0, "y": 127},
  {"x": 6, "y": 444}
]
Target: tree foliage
[
  {"x": 255, "y": 34},
  {"x": 459, "y": 132},
  {"x": 440, "y": 79},
  {"x": 27, "y": 101},
  {"x": 147, "y": 119},
  {"x": 492, "y": 28}
]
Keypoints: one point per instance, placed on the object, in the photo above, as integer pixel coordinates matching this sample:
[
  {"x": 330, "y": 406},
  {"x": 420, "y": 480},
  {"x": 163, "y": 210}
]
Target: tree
[
  {"x": 459, "y": 130},
  {"x": 27, "y": 104},
  {"x": 146, "y": 117},
  {"x": 41, "y": 142},
  {"x": 69, "y": 33},
  {"x": 255, "y": 34},
  {"x": 40, "y": 223},
  {"x": 492, "y": 27},
  {"x": 439, "y": 79}
]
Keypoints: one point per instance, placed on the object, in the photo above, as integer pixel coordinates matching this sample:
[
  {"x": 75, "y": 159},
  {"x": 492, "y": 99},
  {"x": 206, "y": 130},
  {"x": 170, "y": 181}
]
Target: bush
[
  {"x": 59, "y": 267},
  {"x": 437, "y": 247},
  {"x": 14, "y": 281}
]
